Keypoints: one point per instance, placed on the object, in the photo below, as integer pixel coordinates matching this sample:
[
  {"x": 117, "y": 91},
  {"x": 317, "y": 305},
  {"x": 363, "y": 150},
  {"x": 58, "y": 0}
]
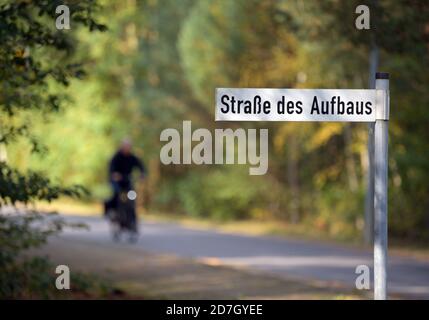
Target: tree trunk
[{"x": 293, "y": 179}]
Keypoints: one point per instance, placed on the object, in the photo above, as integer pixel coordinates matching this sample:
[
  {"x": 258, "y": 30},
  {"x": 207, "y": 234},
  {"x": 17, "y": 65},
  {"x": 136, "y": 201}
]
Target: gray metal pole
[{"x": 380, "y": 185}]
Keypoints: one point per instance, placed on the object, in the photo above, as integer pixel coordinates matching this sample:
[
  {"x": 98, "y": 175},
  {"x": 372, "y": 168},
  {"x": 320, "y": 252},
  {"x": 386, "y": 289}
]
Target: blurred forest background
[{"x": 158, "y": 64}]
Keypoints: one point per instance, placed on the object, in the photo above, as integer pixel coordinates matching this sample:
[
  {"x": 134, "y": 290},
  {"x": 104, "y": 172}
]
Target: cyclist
[{"x": 121, "y": 166}]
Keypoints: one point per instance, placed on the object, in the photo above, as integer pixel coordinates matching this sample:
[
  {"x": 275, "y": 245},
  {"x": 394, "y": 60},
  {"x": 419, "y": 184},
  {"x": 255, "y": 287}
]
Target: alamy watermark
[
  {"x": 229, "y": 147},
  {"x": 363, "y": 22},
  {"x": 62, "y": 282},
  {"x": 363, "y": 280},
  {"x": 63, "y": 20}
]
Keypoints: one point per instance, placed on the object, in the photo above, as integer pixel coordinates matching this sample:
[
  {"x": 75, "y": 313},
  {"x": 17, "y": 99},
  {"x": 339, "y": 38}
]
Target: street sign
[{"x": 345, "y": 105}]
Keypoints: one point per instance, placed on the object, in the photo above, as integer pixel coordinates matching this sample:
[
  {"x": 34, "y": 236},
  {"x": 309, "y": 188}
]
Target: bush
[
  {"x": 338, "y": 212},
  {"x": 222, "y": 193},
  {"x": 23, "y": 277}
]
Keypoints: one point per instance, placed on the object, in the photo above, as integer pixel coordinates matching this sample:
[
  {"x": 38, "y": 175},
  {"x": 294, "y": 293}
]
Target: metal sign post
[
  {"x": 341, "y": 105},
  {"x": 380, "y": 185}
]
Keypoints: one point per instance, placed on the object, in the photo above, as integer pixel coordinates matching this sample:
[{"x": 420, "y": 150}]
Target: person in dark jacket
[{"x": 121, "y": 166}]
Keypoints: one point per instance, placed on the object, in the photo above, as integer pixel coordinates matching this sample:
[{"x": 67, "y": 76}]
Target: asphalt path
[{"x": 289, "y": 258}]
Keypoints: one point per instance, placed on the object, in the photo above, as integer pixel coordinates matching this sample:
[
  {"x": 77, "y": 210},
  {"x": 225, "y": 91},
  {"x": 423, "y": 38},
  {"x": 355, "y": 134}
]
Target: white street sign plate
[{"x": 257, "y": 104}]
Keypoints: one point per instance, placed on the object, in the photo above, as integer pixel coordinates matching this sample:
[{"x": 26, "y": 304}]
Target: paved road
[{"x": 283, "y": 257}]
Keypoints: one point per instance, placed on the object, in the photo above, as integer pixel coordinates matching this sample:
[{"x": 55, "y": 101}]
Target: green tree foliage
[
  {"x": 227, "y": 43},
  {"x": 36, "y": 63},
  {"x": 400, "y": 30},
  {"x": 160, "y": 62}
]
